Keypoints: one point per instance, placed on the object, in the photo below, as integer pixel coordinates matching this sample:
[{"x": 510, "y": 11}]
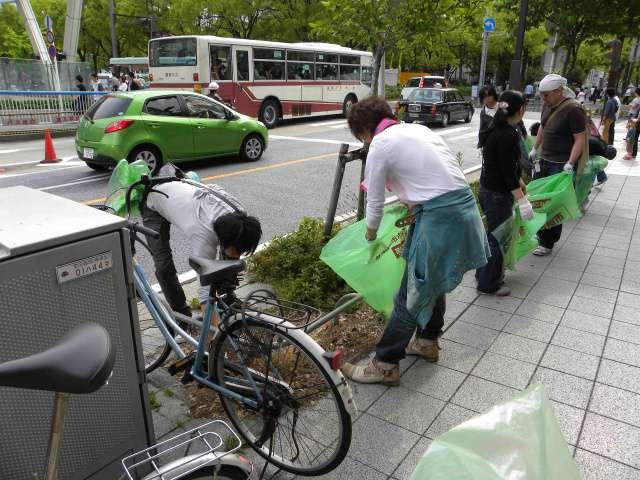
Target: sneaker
[
  {"x": 503, "y": 291},
  {"x": 424, "y": 347},
  {"x": 600, "y": 182},
  {"x": 542, "y": 251},
  {"x": 374, "y": 372}
]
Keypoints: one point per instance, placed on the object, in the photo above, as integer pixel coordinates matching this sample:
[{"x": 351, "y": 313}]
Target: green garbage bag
[
  {"x": 555, "y": 196},
  {"x": 373, "y": 270},
  {"x": 517, "y": 237},
  {"x": 516, "y": 440},
  {"x": 595, "y": 164},
  {"x": 124, "y": 175}
]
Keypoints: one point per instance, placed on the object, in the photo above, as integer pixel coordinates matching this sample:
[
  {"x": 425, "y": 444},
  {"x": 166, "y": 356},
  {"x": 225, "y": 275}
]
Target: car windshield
[
  {"x": 413, "y": 82},
  {"x": 109, "y": 106},
  {"x": 426, "y": 95}
]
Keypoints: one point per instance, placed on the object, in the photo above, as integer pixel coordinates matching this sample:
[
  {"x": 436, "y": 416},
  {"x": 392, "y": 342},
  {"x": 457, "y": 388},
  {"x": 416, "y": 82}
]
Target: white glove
[
  {"x": 532, "y": 155},
  {"x": 568, "y": 168},
  {"x": 526, "y": 210}
]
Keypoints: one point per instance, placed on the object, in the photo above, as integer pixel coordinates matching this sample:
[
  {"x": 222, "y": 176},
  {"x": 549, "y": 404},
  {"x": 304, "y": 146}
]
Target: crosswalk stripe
[{"x": 324, "y": 124}]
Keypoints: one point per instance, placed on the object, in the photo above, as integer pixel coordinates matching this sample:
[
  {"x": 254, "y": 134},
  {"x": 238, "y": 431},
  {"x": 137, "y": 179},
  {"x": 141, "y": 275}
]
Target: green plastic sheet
[
  {"x": 517, "y": 237},
  {"x": 584, "y": 183},
  {"x": 556, "y": 197},
  {"x": 374, "y": 270},
  {"x": 124, "y": 175},
  {"x": 516, "y": 440}
]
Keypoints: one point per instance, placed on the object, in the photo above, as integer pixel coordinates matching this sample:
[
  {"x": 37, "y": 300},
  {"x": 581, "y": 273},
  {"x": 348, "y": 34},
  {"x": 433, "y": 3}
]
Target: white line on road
[
  {"x": 342, "y": 125},
  {"x": 314, "y": 140},
  {"x": 14, "y": 150},
  {"x": 449, "y": 131},
  {"x": 460, "y": 137},
  {"x": 77, "y": 182},
  {"x": 10, "y": 175},
  {"x": 324, "y": 124}
]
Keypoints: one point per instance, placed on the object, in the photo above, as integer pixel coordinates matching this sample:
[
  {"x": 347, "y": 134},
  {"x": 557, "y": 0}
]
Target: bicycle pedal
[
  {"x": 187, "y": 378},
  {"x": 181, "y": 365}
]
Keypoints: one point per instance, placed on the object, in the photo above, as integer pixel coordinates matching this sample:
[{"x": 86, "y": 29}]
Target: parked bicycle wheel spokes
[{"x": 300, "y": 423}]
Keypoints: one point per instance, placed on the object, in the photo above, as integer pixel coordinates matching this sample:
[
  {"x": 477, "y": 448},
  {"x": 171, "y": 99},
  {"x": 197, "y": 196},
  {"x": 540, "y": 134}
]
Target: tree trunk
[{"x": 378, "y": 52}]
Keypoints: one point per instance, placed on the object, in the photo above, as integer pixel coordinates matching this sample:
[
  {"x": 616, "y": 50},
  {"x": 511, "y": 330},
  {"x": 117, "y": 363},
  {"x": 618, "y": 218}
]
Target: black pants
[
  {"x": 634, "y": 139},
  {"x": 612, "y": 132},
  {"x": 548, "y": 237},
  {"x": 163, "y": 261},
  {"x": 498, "y": 207}
]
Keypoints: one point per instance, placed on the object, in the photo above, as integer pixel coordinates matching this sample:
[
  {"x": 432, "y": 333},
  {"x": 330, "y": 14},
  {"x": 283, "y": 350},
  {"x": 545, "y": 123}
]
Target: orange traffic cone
[{"x": 49, "y": 152}]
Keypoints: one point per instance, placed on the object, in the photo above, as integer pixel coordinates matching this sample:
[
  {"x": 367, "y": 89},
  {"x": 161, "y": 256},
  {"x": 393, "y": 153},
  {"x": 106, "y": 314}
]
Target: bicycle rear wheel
[
  {"x": 302, "y": 425},
  {"x": 155, "y": 348}
]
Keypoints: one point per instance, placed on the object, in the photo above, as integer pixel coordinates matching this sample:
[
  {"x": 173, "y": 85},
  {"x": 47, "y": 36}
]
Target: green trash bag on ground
[
  {"x": 516, "y": 440},
  {"x": 584, "y": 183},
  {"x": 375, "y": 269},
  {"x": 124, "y": 175},
  {"x": 517, "y": 237},
  {"x": 555, "y": 196}
]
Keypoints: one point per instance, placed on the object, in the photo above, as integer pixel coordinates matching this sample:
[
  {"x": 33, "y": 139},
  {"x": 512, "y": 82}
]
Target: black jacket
[{"x": 501, "y": 154}]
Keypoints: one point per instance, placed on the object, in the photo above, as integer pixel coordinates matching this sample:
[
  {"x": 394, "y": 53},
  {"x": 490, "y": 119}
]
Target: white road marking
[
  {"x": 14, "y": 150},
  {"x": 324, "y": 124},
  {"x": 449, "y": 131},
  {"x": 10, "y": 175},
  {"x": 343, "y": 125},
  {"x": 460, "y": 137},
  {"x": 74, "y": 183},
  {"x": 314, "y": 140}
]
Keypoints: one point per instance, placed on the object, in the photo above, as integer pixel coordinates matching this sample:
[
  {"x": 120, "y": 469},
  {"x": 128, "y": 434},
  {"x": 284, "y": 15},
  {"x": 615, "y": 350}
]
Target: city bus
[{"x": 267, "y": 80}]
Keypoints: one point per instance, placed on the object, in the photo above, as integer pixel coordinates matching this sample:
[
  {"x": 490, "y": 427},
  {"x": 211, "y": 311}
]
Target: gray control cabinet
[{"x": 62, "y": 264}]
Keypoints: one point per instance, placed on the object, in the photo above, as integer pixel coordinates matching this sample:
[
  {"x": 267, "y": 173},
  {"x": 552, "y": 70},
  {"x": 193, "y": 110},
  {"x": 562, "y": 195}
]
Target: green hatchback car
[{"x": 165, "y": 126}]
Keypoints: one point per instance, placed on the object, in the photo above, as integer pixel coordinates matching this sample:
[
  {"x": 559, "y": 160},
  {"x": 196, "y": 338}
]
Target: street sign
[
  {"x": 52, "y": 51},
  {"x": 489, "y": 24},
  {"x": 48, "y": 23},
  {"x": 51, "y": 38}
]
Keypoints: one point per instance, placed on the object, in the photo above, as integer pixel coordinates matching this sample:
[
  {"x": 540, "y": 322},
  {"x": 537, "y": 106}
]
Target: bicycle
[
  {"x": 282, "y": 392},
  {"x": 81, "y": 363}
]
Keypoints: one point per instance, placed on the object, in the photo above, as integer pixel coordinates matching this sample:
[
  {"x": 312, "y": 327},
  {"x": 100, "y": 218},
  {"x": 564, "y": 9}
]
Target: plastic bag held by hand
[
  {"x": 122, "y": 176},
  {"x": 555, "y": 196},
  {"x": 516, "y": 440},
  {"x": 373, "y": 269}
]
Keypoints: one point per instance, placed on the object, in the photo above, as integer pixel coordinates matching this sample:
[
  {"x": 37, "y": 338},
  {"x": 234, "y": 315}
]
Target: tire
[
  {"x": 98, "y": 167},
  {"x": 226, "y": 472},
  {"x": 252, "y": 148},
  {"x": 149, "y": 155},
  {"x": 445, "y": 120},
  {"x": 155, "y": 349},
  {"x": 270, "y": 113},
  {"x": 349, "y": 101},
  {"x": 467, "y": 119},
  {"x": 305, "y": 410}
]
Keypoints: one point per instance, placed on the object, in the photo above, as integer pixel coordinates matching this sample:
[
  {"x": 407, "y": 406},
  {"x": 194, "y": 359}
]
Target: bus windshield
[{"x": 172, "y": 52}]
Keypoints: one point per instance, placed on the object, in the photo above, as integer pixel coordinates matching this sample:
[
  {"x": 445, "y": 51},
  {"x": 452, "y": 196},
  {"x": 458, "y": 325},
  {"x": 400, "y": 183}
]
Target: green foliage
[
  {"x": 392, "y": 92},
  {"x": 153, "y": 401},
  {"x": 291, "y": 264}
]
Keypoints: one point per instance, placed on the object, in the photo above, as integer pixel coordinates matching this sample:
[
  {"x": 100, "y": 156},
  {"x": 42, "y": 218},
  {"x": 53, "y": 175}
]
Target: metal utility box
[{"x": 63, "y": 263}]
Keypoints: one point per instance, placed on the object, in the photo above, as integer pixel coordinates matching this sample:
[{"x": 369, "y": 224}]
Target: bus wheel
[
  {"x": 270, "y": 113},
  {"x": 348, "y": 103}
]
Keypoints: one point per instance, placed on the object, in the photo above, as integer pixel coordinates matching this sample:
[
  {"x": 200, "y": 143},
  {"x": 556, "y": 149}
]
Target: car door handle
[
  {"x": 200, "y": 125},
  {"x": 154, "y": 125}
]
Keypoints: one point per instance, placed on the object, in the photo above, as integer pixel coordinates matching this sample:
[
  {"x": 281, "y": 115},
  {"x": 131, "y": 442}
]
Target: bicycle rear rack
[{"x": 160, "y": 459}]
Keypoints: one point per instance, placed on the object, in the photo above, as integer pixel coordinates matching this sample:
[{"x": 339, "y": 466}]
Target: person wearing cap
[
  {"x": 560, "y": 142},
  {"x": 213, "y": 92}
]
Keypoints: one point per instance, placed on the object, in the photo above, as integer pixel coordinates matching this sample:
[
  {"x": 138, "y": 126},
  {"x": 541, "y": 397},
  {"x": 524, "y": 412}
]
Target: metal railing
[{"x": 23, "y": 111}]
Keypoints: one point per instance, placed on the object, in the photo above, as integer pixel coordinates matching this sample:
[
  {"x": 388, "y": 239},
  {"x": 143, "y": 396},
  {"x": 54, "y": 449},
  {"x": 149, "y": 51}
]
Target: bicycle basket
[
  {"x": 182, "y": 454},
  {"x": 264, "y": 306}
]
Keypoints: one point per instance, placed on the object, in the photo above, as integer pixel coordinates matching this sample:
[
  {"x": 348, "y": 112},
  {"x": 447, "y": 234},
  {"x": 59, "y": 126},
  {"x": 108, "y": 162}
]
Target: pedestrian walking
[
  {"x": 627, "y": 95},
  {"x": 633, "y": 127},
  {"x": 501, "y": 184},
  {"x": 446, "y": 238},
  {"x": 608, "y": 119},
  {"x": 528, "y": 91},
  {"x": 80, "y": 103},
  {"x": 562, "y": 142},
  {"x": 124, "y": 84}
]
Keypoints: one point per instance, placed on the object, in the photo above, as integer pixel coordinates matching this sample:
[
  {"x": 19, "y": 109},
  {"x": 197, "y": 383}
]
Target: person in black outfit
[
  {"x": 489, "y": 99},
  {"x": 500, "y": 184}
]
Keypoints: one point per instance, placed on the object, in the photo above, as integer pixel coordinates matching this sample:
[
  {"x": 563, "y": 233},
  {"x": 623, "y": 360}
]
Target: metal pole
[
  {"x": 360, "y": 213},
  {"x": 515, "y": 80},
  {"x": 335, "y": 192},
  {"x": 483, "y": 61},
  {"x": 112, "y": 24},
  {"x": 55, "y": 441}
]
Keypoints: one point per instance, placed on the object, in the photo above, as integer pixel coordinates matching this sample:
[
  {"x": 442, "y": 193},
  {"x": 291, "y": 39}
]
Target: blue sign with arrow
[{"x": 489, "y": 24}]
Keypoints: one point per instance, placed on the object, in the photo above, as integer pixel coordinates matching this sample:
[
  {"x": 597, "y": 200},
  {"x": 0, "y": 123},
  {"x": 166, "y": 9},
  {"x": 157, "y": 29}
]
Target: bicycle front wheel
[
  {"x": 301, "y": 424},
  {"x": 155, "y": 348}
]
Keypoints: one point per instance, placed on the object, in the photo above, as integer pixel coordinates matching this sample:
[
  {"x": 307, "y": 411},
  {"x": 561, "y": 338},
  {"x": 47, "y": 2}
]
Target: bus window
[
  {"x": 325, "y": 71},
  {"x": 268, "y": 54},
  {"x": 326, "y": 58},
  {"x": 299, "y": 71},
  {"x": 299, "y": 56},
  {"x": 268, "y": 70},
  {"x": 367, "y": 73},
  {"x": 220, "y": 62},
  {"x": 242, "y": 65},
  {"x": 172, "y": 52},
  {"x": 350, "y": 59},
  {"x": 348, "y": 72}
]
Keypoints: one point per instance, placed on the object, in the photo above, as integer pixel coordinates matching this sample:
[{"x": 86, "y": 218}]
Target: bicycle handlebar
[{"x": 147, "y": 231}]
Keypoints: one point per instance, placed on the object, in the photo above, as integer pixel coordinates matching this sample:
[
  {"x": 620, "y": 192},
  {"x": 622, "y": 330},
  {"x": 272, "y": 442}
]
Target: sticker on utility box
[{"x": 84, "y": 267}]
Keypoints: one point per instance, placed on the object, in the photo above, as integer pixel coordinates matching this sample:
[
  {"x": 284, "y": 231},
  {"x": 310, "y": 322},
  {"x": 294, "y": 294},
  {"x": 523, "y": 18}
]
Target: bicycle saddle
[
  {"x": 216, "y": 272},
  {"x": 81, "y": 362}
]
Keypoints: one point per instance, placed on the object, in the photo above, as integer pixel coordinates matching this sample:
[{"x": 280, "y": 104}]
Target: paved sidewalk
[{"x": 571, "y": 323}]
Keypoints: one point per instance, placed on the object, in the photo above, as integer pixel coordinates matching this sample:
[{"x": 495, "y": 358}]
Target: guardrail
[{"x": 24, "y": 111}]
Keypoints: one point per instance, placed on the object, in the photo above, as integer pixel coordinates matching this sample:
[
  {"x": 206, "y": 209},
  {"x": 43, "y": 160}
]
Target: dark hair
[
  {"x": 79, "y": 78},
  {"x": 637, "y": 90},
  {"x": 611, "y": 92},
  {"x": 238, "y": 230},
  {"x": 365, "y": 115},
  {"x": 514, "y": 100},
  {"x": 94, "y": 75},
  {"x": 534, "y": 129},
  {"x": 487, "y": 91}
]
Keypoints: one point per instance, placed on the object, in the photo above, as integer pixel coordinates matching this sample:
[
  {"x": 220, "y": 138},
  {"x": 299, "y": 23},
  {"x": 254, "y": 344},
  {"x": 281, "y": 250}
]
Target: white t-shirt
[
  {"x": 634, "y": 106},
  {"x": 411, "y": 161},
  {"x": 490, "y": 111}
]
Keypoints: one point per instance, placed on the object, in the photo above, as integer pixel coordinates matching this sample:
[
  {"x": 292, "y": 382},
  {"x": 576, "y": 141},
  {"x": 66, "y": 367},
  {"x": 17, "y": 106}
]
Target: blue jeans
[
  {"x": 498, "y": 207},
  {"x": 548, "y": 237},
  {"x": 402, "y": 324}
]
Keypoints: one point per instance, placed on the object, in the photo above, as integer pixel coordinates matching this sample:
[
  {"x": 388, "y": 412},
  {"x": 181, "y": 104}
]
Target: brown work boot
[
  {"x": 426, "y": 348},
  {"x": 374, "y": 372}
]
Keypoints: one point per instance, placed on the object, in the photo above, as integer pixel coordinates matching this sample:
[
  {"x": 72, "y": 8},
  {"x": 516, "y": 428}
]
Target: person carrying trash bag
[
  {"x": 500, "y": 184},
  {"x": 446, "y": 238},
  {"x": 562, "y": 141}
]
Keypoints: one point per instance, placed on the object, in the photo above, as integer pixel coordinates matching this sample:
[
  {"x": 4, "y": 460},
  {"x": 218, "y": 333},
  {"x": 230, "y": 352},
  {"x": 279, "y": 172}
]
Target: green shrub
[
  {"x": 392, "y": 92},
  {"x": 291, "y": 264}
]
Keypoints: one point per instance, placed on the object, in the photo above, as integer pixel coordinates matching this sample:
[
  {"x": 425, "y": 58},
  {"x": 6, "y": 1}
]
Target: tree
[{"x": 14, "y": 41}]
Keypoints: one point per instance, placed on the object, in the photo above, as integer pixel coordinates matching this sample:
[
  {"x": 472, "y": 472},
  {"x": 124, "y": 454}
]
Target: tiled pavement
[{"x": 571, "y": 323}]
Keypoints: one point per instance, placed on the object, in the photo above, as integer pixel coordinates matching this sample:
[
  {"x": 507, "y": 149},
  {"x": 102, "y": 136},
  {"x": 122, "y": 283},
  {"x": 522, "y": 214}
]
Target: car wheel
[
  {"x": 270, "y": 114},
  {"x": 150, "y": 155},
  {"x": 445, "y": 120},
  {"x": 349, "y": 102},
  {"x": 98, "y": 167},
  {"x": 467, "y": 119},
  {"x": 252, "y": 148}
]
